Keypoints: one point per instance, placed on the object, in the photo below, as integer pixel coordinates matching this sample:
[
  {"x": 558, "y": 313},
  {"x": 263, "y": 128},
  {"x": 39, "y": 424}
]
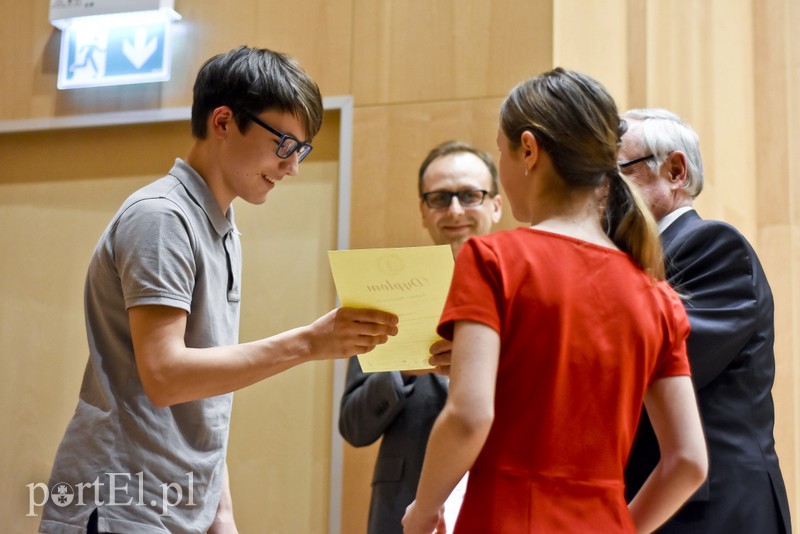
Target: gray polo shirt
[{"x": 149, "y": 469}]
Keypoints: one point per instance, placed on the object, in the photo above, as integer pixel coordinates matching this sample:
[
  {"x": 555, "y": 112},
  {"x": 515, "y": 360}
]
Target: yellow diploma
[{"x": 410, "y": 282}]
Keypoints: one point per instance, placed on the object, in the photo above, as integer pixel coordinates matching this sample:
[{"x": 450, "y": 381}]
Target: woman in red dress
[{"x": 561, "y": 331}]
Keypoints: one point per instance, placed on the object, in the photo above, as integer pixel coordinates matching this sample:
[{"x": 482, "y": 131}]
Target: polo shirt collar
[{"x": 199, "y": 191}]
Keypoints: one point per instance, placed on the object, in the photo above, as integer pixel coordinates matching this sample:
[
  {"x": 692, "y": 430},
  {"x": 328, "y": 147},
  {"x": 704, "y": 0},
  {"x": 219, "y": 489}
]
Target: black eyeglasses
[
  {"x": 439, "y": 200},
  {"x": 288, "y": 145},
  {"x": 635, "y": 161}
]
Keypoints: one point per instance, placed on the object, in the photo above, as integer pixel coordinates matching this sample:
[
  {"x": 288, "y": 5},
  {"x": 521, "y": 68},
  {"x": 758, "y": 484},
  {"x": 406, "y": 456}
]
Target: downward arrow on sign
[{"x": 140, "y": 51}]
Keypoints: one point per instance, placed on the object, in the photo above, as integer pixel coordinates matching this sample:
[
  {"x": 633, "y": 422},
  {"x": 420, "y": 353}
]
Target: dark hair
[
  {"x": 457, "y": 147},
  {"x": 575, "y": 121},
  {"x": 255, "y": 80}
]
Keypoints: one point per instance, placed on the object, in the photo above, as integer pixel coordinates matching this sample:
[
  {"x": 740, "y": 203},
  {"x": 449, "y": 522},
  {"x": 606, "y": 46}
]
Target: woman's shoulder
[
  {"x": 514, "y": 235},
  {"x": 499, "y": 242}
]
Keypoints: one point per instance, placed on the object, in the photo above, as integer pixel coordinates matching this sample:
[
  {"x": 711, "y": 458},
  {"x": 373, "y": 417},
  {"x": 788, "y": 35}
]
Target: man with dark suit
[
  {"x": 459, "y": 198},
  {"x": 729, "y": 303}
]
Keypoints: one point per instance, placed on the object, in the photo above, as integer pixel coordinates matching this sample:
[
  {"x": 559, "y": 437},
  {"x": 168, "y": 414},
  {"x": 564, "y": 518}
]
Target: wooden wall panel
[
  {"x": 775, "y": 88},
  {"x": 420, "y": 50},
  {"x": 635, "y": 55},
  {"x": 779, "y": 252},
  {"x": 730, "y": 82},
  {"x": 317, "y": 32},
  {"x": 357, "y": 465},
  {"x": 90, "y": 153},
  {"x": 777, "y": 146},
  {"x": 49, "y": 231},
  {"x": 591, "y": 37},
  {"x": 26, "y": 36},
  {"x": 792, "y": 68}
]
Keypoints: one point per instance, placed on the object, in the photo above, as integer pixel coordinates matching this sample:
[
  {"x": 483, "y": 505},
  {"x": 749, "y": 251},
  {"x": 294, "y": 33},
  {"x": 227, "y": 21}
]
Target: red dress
[{"x": 583, "y": 333}]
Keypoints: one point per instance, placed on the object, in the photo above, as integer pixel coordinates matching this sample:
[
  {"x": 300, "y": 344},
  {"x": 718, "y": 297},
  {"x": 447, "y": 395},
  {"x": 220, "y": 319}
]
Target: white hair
[{"x": 662, "y": 132}]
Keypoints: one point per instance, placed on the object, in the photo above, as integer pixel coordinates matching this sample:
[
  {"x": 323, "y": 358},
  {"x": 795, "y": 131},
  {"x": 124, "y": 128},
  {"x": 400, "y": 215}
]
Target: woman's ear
[{"x": 529, "y": 147}]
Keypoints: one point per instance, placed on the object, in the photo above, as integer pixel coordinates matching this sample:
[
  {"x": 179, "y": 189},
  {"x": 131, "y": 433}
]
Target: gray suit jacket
[
  {"x": 378, "y": 405},
  {"x": 730, "y": 347}
]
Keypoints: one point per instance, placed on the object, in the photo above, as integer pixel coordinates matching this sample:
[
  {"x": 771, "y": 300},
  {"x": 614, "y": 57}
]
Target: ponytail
[{"x": 631, "y": 227}]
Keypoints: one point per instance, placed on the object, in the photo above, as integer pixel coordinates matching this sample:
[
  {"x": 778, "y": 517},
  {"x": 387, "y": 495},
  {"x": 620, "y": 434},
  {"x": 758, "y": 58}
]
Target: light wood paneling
[
  {"x": 26, "y": 57},
  {"x": 636, "y": 56},
  {"x": 733, "y": 172},
  {"x": 777, "y": 146},
  {"x": 90, "y": 153},
  {"x": 779, "y": 252},
  {"x": 49, "y": 232},
  {"x": 591, "y": 37},
  {"x": 358, "y": 464},
  {"x": 419, "y": 50},
  {"x": 316, "y": 32},
  {"x": 775, "y": 89}
]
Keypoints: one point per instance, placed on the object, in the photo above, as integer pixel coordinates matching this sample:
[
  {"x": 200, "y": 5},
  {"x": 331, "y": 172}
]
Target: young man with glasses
[
  {"x": 730, "y": 346},
  {"x": 459, "y": 198},
  {"x": 162, "y": 313}
]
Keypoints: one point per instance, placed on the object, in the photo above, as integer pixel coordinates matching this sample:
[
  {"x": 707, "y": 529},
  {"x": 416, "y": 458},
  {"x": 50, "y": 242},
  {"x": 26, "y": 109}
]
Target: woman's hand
[{"x": 417, "y": 522}]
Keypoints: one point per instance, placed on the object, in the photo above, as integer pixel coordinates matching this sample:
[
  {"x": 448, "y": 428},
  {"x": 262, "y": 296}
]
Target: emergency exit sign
[{"x": 114, "y": 51}]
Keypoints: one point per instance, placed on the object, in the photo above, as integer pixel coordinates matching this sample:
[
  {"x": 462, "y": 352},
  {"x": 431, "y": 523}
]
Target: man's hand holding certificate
[{"x": 411, "y": 283}]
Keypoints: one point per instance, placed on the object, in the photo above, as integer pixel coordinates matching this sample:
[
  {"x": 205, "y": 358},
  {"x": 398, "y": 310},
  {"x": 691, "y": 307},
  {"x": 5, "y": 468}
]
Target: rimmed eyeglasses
[
  {"x": 624, "y": 164},
  {"x": 287, "y": 145},
  {"x": 468, "y": 198}
]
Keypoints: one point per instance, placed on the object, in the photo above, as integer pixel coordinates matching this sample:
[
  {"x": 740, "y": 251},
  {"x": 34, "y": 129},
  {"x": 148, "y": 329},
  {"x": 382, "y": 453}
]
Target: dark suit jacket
[
  {"x": 730, "y": 347},
  {"x": 378, "y": 404}
]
